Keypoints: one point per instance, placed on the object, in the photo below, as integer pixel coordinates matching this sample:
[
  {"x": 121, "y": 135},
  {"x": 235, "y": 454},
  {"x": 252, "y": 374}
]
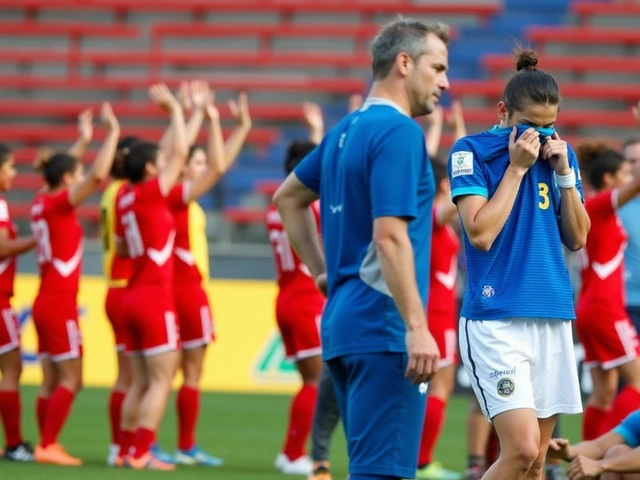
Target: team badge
[
  {"x": 461, "y": 164},
  {"x": 488, "y": 291},
  {"x": 506, "y": 387}
]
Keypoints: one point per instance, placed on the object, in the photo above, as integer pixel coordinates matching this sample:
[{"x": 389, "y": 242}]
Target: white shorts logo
[
  {"x": 506, "y": 387},
  {"x": 461, "y": 163}
]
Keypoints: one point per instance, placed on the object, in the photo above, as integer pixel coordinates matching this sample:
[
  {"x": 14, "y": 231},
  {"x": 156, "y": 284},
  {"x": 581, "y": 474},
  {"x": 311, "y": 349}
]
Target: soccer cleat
[
  {"x": 435, "y": 471},
  {"x": 161, "y": 455},
  {"x": 148, "y": 462},
  {"x": 55, "y": 455},
  {"x": 195, "y": 456},
  {"x": 114, "y": 452},
  {"x": 21, "y": 453},
  {"x": 281, "y": 460},
  {"x": 299, "y": 466},
  {"x": 474, "y": 473},
  {"x": 320, "y": 472}
]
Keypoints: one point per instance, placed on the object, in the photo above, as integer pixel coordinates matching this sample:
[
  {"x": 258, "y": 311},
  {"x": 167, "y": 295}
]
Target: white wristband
[{"x": 566, "y": 181}]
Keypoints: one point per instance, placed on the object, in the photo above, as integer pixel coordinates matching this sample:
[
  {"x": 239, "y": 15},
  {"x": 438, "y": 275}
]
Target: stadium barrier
[{"x": 247, "y": 355}]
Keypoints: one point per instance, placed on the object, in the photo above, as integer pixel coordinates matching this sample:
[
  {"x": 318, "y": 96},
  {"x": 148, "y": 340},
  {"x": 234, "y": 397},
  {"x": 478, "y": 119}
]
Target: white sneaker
[
  {"x": 301, "y": 466},
  {"x": 112, "y": 455},
  {"x": 281, "y": 461}
]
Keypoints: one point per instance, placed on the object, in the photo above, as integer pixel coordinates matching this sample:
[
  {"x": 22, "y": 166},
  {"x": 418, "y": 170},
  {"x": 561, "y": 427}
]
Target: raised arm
[
  {"x": 176, "y": 158},
  {"x": 483, "y": 219},
  {"x": 85, "y": 134},
  {"x": 434, "y": 131},
  {"x": 200, "y": 98},
  {"x": 574, "y": 219},
  {"x": 314, "y": 120},
  {"x": 101, "y": 167},
  {"x": 455, "y": 120},
  {"x": 217, "y": 162},
  {"x": 235, "y": 142},
  {"x": 355, "y": 102},
  {"x": 184, "y": 97}
]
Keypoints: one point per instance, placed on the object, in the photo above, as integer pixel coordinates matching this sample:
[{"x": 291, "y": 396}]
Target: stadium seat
[
  {"x": 67, "y": 28},
  {"x": 583, "y": 35},
  {"x": 267, "y": 187},
  {"x": 573, "y": 63},
  {"x": 585, "y": 11},
  {"x": 244, "y": 215},
  {"x": 568, "y": 118}
]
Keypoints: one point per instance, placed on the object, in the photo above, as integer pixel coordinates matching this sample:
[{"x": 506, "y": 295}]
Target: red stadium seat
[
  {"x": 68, "y": 28},
  {"x": 583, "y": 35},
  {"x": 574, "y": 63},
  {"x": 567, "y": 118},
  {"x": 70, "y": 110},
  {"x": 586, "y": 10},
  {"x": 267, "y": 187},
  {"x": 244, "y": 215}
]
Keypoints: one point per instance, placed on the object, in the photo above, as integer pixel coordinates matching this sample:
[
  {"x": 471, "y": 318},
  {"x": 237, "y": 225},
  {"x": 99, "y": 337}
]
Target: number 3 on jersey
[
  {"x": 40, "y": 231},
  {"x": 132, "y": 235},
  {"x": 543, "y": 191}
]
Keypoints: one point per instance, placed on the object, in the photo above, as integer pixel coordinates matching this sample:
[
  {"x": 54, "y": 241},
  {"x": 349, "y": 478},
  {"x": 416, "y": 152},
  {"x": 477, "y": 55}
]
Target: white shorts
[{"x": 521, "y": 363}]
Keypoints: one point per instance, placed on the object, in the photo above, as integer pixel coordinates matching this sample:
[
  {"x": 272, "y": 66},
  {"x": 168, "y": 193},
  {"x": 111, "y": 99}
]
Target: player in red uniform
[
  {"x": 117, "y": 271},
  {"x": 10, "y": 361},
  {"x": 58, "y": 235},
  {"x": 191, "y": 260},
  {"x": 145, "y": 232},
  {"x": 610, "y": 341},
  {"x": 298, "y": 309}
]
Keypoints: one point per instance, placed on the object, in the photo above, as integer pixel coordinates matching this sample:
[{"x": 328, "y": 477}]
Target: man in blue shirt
[
  {"x": 374, "y": 178},
  {"x": 630, "y": 216},
  {"x": 608, "y": 457}
]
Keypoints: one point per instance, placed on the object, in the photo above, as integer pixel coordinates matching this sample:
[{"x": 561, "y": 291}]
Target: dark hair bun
[{"x": 526, "y": 59}]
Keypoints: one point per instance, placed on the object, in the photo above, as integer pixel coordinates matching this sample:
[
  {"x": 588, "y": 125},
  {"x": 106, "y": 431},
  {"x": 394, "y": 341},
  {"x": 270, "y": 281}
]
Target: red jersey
[
  {"x": 445, "y": 247},
  {"x": 602, "y": 260},
  {"x": 191, "y": 255},
  {"x": 116, "y": 269},
  {"x": 7, "y": 264},
  {"x": 58, "y": 236},
  {"x": 145, "y": 222},
  {"x": 293, "y": 275}
]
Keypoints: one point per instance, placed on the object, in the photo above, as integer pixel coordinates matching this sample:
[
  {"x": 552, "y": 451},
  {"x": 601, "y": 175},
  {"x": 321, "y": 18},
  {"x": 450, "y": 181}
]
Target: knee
[
  {"x": 192, "y": 372},
  {"x": 603, "y": 397},
  {"x": 11, "y": 376},
  {"x": 523, "y": 455}
]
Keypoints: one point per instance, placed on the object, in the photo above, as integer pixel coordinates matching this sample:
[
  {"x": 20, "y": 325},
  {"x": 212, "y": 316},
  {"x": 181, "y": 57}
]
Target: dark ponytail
[
  {"x": 137, "y": 158},
  {"x": 54, "y": 165},
  {"x": 597, "y": 158}
]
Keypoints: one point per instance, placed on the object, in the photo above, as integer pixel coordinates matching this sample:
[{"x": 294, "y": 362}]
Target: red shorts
[
  {"x": 299, "y": 323},
  {"x": 194, "y": 316},
  {"x": 150, "y": 320},
  {"x": 9, "y": 327},
  {"x": 55, "y": 317},
  {"x": 444, "y": 331},
  {"x": 113, "y": 308},
  {"x": 607, "y": 344}
]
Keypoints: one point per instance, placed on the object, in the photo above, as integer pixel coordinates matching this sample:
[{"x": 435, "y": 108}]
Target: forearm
[
  {"x": 235, "y": 142},
  {"x": 590, "y": 449},
  {"x": 574, "y": 220},
  {"x": 316, "y": 135},
  {"x": 395, "y": 255},
  {"x": 491, "y": 218},
  {"x": 18, "y": 246},
  {"x": 433, "y": 136},
  {"x": 79, "y": 147},
  {"x": 628, "y": 462},
  {"x": 300, "y": 225},
  {"x": 194, "y": 125},
  {"x": 102, "y": 165}
]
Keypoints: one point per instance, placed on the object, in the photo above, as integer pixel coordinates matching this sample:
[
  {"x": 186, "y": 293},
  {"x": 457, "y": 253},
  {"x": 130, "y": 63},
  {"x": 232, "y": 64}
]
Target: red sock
[
  {"x": 593, "y": 422},
  {"x": 144, "y": 438},
  {"x": 188, "y": 406},
  {"x": 433, "y": 421},
  {"x": 626, "y": 402},
  {"x": 492, "y": 451},
  {"x": 125, "y": 442},
  {"x": 57, "y": 413},
  {"x": 115, "y": 414},
  {"x": 42, "y": 405},
  {"x": 300, "y": 417},
  {"x": 10, "y": 412}
]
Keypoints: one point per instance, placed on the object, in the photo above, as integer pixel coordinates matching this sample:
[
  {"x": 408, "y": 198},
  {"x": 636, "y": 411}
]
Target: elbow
[
  {"x": 576, "y": 244},
  {"x": 480, "y": 241}
]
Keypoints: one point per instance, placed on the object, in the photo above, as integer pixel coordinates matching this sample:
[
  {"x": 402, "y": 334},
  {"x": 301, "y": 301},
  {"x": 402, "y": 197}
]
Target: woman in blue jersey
[{"x": 518, "y": 192}]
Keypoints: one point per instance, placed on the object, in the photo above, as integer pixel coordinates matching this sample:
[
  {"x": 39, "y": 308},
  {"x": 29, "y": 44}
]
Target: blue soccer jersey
[
  {"x": 629, "y": 215},
  {"x": 373, "y": 164},
  {"x": 629, "y": 429},
  {"x": 524, "y": 273}
]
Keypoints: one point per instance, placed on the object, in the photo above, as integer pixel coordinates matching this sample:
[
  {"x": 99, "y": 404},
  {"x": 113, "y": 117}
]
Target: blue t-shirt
[
  {"x": 629, "y": 429},
  {"x": 524, "y": 274},
  {"x": 374, "y": 163},
  {"x": 630, "y": 215}
]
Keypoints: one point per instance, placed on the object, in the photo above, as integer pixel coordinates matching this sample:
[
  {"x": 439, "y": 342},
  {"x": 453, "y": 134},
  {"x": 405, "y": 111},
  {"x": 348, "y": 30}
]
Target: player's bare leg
[
  {"x": 605, "y": 387},
  {"x": 11, "y": 369},
  {"x": 478, "y": 431},
  {"x": 68, "y": 374},
  {"x": 546, "y": 430},
  {"x": 440, "y": 390},
  {"x": 131, "y": 405},
  {"x": 116, "y": 402},
  {"x": 615, "y": 452},
  {"x": 293, "y": 460},
  {"x": 188, "y": 409},
  {"x": 519, "y": 434},
  {"x": 11, "y": 407}
]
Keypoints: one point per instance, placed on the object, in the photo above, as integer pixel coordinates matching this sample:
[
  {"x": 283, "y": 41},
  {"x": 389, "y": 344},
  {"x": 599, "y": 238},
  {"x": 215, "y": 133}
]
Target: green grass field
[{"x": 246, "y": 430}]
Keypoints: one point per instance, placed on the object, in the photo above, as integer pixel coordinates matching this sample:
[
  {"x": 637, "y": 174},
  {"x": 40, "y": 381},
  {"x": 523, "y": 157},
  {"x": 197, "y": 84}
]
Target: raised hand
[
  {"x": 455, "y": 118},
  {"x": 200, "y": 94},
  {"x": 108, "y": 118},
  {"x": 85, "y": 125},
  {"x": 184, "y": 96},
  {"x": 240, "y": 110},
  {"x": 555, "y": 151},
  {"x": 636, "y": 112},
  {"x": 355, "y": 102},
  {"x": 313, "y": 115},
  {"x": 436, "y": 117},
  {"x": 162, "y": 96},
  {"x": 524, "y": 152}
]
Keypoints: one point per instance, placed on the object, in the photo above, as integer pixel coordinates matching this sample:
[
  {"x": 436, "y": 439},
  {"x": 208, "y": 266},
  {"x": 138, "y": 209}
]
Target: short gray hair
[{"x": 402, "y": 35}]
